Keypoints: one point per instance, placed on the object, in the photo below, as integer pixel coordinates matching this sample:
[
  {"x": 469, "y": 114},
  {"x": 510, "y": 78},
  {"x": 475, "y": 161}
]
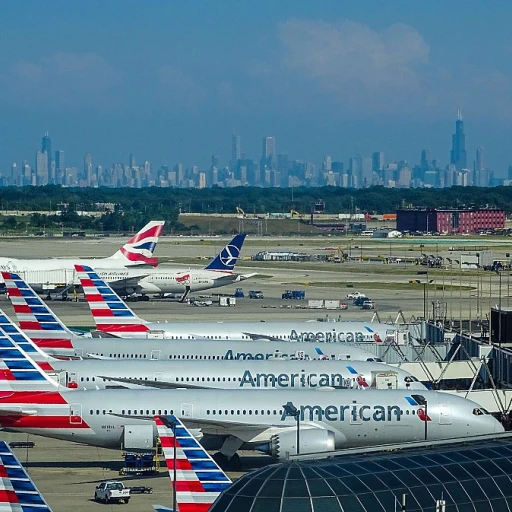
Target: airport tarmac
[{"x": 67, "y": 473}]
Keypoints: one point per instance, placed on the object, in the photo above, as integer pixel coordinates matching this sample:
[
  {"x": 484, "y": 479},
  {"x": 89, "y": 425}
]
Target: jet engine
[{"x": 313, "y": 440}]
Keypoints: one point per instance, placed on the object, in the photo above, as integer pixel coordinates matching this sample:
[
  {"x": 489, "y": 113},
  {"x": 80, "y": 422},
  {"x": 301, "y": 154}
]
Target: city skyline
[
  {"x": 273, "y": 169},
  {"x": 172, "y": 83}
]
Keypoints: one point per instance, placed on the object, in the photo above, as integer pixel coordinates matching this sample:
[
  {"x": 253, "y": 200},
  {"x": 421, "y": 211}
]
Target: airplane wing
[
  {"x": 243, "y": 277},
  {"x": 261, "y": 337},
  {"x": 128, "y": 281},
  {"x": 153, "y": 383}
]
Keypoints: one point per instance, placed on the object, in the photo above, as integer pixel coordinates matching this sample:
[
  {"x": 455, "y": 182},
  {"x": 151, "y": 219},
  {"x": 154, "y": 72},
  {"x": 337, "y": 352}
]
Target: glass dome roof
[{"x": 472, "y": 477}]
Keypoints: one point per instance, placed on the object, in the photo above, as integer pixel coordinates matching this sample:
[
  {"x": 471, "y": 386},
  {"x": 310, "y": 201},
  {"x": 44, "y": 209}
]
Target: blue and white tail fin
[
  {"x": 36, "y": 319},
  {"x": 18, "y": 492},
  {"x": 226, "y": 260},
  {"x": 109, "y": 311},
  {"x": 138, "y": 251},
  {"x": 199, "y": 480}
]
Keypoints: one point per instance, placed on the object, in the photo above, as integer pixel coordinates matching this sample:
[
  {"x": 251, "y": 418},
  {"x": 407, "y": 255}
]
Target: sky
[{"x": 172, "y": 81}]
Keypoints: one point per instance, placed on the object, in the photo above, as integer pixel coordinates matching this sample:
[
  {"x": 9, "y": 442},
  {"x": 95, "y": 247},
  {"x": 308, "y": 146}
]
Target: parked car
[
  {"x": 359, "y": 300},
  {"x": 368, "y": 304},
  {"x": 355, "y": 295},
  {"x": 112, "y": 490},
  {"x": 255, "y": 294}
]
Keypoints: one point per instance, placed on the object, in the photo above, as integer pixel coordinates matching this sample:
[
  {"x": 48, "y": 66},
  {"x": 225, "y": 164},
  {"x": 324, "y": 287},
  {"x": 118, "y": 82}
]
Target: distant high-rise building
[
  {"x": 133, "y": 163},
  {"x": 377, "y": 161},
  {"x": 46, "y": 146},
  {"x": 425, "y": 160},
  {"x": 268, "y": 155},
  {"x": 215, "y": 161},
  {"x": 458, "y": 153},
  {"x": 236, "y": 150},
  {"x": 366, "y": 172},
  {"x": 41, "y": 177},
  {"x": 327, "y": 163},
  {"x": 60, "y": 160},
  {"x": 480, "y": 158}
]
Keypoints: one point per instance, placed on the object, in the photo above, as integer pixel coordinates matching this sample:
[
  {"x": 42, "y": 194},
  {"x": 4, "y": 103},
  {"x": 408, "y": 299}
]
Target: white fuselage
[
  {"x": 160, "y": 281},
  {"x": 54, "y": 264},
  {"x": 356, "y": 418},
  {"x": 300, "y": 331},
  {"x": 191, "y": 349},
  {"x": 270, "y": 374}
]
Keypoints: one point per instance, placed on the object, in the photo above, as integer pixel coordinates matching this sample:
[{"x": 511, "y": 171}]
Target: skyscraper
[
  {"x": 46, "y": 148},
  {"x": 268, "y": 154},
  {"x": 458, "y": 153},
  {"x": 236, "y": 151}
]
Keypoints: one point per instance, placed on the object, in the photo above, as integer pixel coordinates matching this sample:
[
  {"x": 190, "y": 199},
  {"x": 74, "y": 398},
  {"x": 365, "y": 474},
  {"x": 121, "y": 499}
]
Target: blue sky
[{"x": 171, "y": 81}]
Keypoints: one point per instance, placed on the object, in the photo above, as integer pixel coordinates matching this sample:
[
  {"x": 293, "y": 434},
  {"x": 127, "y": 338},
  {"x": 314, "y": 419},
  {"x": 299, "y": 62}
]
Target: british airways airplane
[
  {"x": 41, "y": 325},
  {"x": 219, "y": 272},
  {"x": 113, "y": 316},
  {"x": 137, "y": 252},
  {"x": 32, "y": 402}
]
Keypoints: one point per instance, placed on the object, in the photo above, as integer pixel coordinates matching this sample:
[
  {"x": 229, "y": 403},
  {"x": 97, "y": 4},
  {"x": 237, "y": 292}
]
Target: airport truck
[{"x": 112, "y": 491}]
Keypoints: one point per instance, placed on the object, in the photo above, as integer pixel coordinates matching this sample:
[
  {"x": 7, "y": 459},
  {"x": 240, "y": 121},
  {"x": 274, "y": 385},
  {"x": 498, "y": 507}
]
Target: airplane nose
[{"x": 498, "y": 427}]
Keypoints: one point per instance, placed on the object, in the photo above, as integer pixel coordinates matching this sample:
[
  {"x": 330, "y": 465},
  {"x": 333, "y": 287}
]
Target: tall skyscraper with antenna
[
  {"x": 236, "y": 151},
  {"x": 458, "y": 155}
]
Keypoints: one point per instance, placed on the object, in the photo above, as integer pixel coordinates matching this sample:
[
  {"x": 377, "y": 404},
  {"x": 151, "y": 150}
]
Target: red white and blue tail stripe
[
  {"x": 36, "y": 319},
  {"x": 139, "y": 249},
  {"x": 109, "y": 311},
  {"x": 18, "y": 371},
  {"x": 199, "y": 480},
  {"x": 18, "y": 492}
]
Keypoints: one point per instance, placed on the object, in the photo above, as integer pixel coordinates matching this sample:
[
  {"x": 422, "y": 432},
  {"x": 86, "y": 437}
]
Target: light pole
[
  {"x": 499, "y": 308},
  {"x": 291, "y": 410}
]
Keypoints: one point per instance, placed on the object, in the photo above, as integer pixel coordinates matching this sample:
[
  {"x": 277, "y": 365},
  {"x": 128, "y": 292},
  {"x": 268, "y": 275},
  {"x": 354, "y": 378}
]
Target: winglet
[
  {"x": 139, "y": 249},
  {"x": 109, "y": 311},
  {"x": 17, "y": 490},
  {"x": 199, "y": 480},
  {"x": 226, "y": 260}
]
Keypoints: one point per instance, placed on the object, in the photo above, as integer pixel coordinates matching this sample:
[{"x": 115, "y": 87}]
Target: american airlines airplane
[
  {"x": 137, "y": 252},
  {"x": 197, "y": 480},
  {"x": 203, "y": 374},
  {"x": 18, "y": 492},
  {"x": 32, "y": 402},
  {"x": 219, "y": 272},
  {"x": 113, "y": 316},
  {"x": 41, "y": 325}
]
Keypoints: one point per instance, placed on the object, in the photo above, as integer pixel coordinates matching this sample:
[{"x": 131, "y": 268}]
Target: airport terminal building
[
  {"x": 453, "y": 221},
  {"x": 473, "y": 475}
]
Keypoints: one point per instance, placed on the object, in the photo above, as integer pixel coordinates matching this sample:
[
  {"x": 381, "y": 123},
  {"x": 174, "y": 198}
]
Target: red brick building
[{"x": 432, "y": 220}]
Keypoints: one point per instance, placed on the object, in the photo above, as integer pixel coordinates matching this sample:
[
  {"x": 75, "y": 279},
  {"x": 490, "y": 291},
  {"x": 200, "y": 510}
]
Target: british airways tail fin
[
  {"x": 199, "y": 480},
  {"x": 110, "y": 312},
  {"x": 36, "y": 319},
  {"x": 18, "y": 492},
  {"x": 226, "y": 260},
  {"x": 138, "y": 251}
]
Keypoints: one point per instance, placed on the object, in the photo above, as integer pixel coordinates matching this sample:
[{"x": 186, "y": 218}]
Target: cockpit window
[
  {"x": 410, "y": 378},
  {"x": 478, "y": 412}
]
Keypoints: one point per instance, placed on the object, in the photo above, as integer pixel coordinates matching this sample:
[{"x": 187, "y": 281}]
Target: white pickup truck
[{"x": 112, "y": 490}]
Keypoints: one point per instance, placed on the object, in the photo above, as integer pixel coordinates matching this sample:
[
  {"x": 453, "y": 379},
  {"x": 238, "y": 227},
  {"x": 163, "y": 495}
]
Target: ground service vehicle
[
  {"x": 255, "y": 294},
  {"x": 110, "y": 491},
  {"x": 355, "y": 295}
]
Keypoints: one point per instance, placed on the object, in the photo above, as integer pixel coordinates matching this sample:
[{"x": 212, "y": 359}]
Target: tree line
[{"x": 132, "y": 208}]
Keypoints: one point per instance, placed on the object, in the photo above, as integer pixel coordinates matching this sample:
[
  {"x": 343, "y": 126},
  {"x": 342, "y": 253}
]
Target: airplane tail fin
[
  {"x": 138, "y": 251},
  {"x": 36, "y": 319},
  {"x": 17, "y": 490},
  {"x": 227, "y": 258},
  {"x": 18, "y": 371},
  {"x": 199, "y": 480},
  {"x": 109, "y": 311}
]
